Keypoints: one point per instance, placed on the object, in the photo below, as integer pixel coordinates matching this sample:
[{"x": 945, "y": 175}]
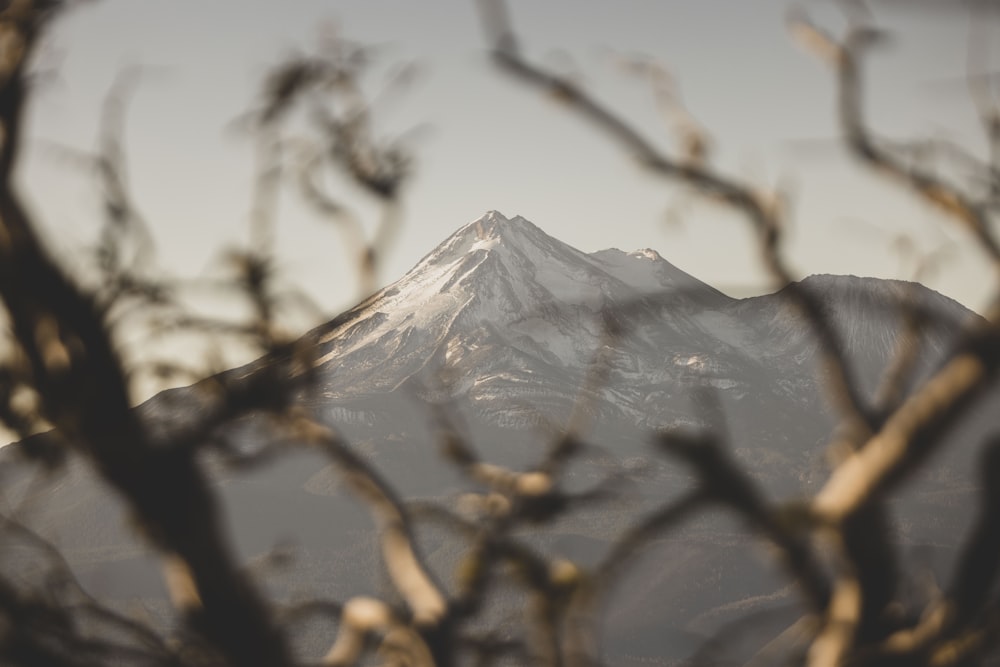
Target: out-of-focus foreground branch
[
  {"x": 834, "y": 547},
  {"x": 878, "y": 445},
  {"x": 82, "y": 392}
]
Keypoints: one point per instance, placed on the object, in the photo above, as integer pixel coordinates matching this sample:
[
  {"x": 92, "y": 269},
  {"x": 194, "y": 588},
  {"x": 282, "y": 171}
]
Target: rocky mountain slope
[{"x": 517, "y": 337}]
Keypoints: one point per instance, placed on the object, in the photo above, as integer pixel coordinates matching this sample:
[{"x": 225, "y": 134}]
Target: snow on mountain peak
[
  {"x": 485, "y": 233},
  {"x": 496, "y": 225},
  {"x": 511, "y": 264},
  {"x": 506, "y": 312},
  {"x": 646, "y": 253}
]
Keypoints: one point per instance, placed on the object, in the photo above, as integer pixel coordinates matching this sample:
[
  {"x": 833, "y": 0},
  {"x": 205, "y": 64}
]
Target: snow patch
[{"x": 646, "y": 253}]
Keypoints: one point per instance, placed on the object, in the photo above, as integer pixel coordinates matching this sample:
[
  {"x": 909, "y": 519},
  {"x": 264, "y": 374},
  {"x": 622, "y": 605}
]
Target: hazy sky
[{"x": 487, "y": 142}]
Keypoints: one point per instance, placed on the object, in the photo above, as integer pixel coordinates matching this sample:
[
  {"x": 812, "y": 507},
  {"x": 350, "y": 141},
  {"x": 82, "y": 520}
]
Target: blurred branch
[
  {"x": 914, "y": 430},
  {"x": 78, "y": 604},
  {"x": 82, "y": 386},
  {"x": 411, "y": 579},
  {"x": 327, "y": 86},
  {"x": 844, "y": 57},
  {"x": 722, "y": 481},
  {"x": 764, "y": 212}
]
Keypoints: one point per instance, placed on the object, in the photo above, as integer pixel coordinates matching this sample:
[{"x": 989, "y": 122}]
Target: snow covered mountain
[
  {"x": 515, "y": 330},
  {"x": 502, "y": 313},
  {"x": 504, "y": 282},
  {"x": 517, "y": 336}
]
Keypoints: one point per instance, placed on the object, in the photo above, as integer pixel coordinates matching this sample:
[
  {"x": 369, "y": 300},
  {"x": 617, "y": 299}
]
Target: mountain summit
[
  {"x": 521, "y": 246},
  {"x": 506, "y": 286},
  {"x": 509, "y": 323}
]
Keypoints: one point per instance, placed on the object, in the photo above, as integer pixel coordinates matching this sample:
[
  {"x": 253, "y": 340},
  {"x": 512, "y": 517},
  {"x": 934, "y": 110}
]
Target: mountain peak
[
  {"x": 516, "y": 247},
  {"x": 491, "y": 231},
  {"x": 495, "y": 225}
]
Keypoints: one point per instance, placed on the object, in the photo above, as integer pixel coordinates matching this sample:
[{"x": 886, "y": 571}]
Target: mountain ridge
[
  {"x": 558, "y": 304},
  {"x": 488, "y": 330}
]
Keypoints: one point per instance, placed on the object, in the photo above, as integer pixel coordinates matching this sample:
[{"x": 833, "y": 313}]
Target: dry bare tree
[
  {"x": 878, "y": 445},
  {"x": 64, "y": 372}
]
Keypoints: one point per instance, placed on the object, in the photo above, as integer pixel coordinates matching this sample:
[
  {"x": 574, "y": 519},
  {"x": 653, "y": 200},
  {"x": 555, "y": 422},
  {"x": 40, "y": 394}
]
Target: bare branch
[{"x": 765, "y": 217}]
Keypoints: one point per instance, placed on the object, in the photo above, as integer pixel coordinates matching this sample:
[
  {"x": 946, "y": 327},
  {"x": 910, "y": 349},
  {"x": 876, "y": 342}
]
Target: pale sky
[{"x": 487, "y": 142}]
